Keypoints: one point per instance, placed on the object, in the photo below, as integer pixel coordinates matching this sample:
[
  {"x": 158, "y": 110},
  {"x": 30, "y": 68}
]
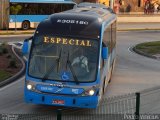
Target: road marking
[{"x": 130, "y": 49}]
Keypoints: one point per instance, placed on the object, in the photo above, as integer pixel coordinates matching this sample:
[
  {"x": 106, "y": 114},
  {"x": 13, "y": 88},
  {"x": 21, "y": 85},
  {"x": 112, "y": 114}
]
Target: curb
[
  {"x": 143, "y": 54},
  {"x": 17, "y": 75},
  {"x": 139, "y": 29},
  {"x": 118, "y": 29},
  {"x": 19, "y": 35}
]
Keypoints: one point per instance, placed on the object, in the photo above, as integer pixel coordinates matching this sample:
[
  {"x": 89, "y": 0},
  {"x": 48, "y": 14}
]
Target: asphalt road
[
  {"x": 132, "y": 73},
  {"x": 13, "y": 38},
  {"x": 123, "y": 26}
]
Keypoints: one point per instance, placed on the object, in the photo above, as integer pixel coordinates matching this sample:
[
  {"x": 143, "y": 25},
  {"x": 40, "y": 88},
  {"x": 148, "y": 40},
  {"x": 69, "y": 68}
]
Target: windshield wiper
[
  {"x": 72, "y": 71},
  {"x": 58, "y": 60},
  {"x": 48, "y": 73},
  {"x": 52, "y": 67}
]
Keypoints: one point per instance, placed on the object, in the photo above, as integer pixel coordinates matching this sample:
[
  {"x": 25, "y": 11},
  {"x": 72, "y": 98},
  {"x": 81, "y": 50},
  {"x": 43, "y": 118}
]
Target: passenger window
[{"x": 107, "y": 38}]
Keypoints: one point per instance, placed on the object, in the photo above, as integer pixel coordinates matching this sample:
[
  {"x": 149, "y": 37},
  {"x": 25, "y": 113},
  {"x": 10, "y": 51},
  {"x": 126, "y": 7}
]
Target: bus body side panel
[
  {"x": 102, "y": 71},
  {"x": 30, "y": 18},
  {"x": 106, "y": 72},
  {"x": 19, "y": 25},
  {"x": 114, "y": 49},
  {"x": 112, "y": 55},
  {"x": 33, "y": 19}
]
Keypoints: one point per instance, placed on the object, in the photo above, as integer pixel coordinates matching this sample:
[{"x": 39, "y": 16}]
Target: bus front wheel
[
  {"x": 104, "y": 85},
  {"x": 25, "y": 25},
  {"x": 110, "y": 75}
]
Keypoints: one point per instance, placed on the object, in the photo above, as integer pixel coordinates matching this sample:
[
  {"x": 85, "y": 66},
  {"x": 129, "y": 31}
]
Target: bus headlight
[
  {"x": 29, "y": 87},
  {"x": 90, "y": 92}
]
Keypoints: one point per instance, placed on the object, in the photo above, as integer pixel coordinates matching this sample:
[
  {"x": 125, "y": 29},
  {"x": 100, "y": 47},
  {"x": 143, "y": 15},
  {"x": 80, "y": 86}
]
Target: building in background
[
  {"x": 27, "y": 14},
  {"x": 126, "y": 6},
  {"x": 106, "y": 2},
  {"x": 5, "y": 10},
  {"x": 119, "y": 6}
]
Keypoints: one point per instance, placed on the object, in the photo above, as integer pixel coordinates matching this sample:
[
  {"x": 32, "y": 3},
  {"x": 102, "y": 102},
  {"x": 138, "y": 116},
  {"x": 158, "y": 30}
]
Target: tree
[{"x": 15, "y": 10}]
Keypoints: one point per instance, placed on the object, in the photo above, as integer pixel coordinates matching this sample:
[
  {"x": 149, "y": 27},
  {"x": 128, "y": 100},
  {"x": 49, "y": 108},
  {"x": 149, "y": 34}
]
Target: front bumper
[{"x": 69, "y": 101}]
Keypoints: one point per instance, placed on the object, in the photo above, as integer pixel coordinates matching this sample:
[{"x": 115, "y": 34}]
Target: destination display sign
[
  {"x": 67, "y": 41},
  {"x": 70, "y": 21}
]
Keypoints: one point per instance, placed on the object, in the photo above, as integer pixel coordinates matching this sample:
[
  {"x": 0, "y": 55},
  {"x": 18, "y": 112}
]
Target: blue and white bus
[
  {"x": 71, "y": 58},
  {"x": 34, "y": 11}
]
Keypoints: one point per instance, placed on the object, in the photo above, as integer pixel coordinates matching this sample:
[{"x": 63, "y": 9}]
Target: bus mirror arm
[
  {"x": 105, "y": 52},
  {"x": 25, "y": 47}
]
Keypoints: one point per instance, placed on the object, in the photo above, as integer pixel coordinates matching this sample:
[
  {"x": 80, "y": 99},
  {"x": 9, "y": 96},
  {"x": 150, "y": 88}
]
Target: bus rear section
[
  {"x": 63, "y": 67},
  {"x": 28, "y": 14}
]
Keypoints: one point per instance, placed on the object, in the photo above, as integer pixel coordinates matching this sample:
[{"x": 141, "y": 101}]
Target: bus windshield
[{"x": 50, "y": 55}]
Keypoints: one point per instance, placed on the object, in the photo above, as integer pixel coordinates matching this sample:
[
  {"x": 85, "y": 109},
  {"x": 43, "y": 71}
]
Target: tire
[
  {"x": 112, "y": 69},
  {"x": 25, "y": 25},
  {"x": 104, "y": 86},
  {"x": 110, "y": 75}
]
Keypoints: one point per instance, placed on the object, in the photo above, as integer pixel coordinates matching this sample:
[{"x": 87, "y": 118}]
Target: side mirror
[
  {"x": 105, "y": 52},
  {"x": 25, "y": 47}
]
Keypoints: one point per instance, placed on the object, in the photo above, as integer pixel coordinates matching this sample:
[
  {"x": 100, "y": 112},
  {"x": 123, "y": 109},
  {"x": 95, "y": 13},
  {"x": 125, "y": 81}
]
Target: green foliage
[
  {"x": 15, "y": 9},
  {"x": 4, "y": 75},
  {"x": 4, "y": 44},
  {"x": 9, "y": 56},
  {"x": 1, "y": 53},
  {"x": 12, "y": 64},
  {"x": 151, "y": 48},
  {"x": 4, "y": 50}
]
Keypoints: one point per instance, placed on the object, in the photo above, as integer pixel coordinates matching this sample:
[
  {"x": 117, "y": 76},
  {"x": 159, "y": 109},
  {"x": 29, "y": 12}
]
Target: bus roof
[
  {"x": 43, "y": 1},
  {"x": 91, "y": 5},
  {"x": 81, "y": 21}
]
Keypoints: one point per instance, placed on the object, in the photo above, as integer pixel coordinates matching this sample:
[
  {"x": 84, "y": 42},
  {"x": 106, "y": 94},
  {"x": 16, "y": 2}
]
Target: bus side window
[
  {"x": 107, "y": 38},
  {"x": 114, "y": 35},
  {"x": 102, "y": 60}
]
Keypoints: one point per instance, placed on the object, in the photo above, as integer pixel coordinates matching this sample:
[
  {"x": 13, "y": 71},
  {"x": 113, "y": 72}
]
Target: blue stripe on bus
[{"x": 31, "y": 18}]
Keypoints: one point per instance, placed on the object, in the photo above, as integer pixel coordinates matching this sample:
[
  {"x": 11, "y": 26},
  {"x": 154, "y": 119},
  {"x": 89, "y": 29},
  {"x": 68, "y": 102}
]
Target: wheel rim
[{"x": 25, "y": 25}]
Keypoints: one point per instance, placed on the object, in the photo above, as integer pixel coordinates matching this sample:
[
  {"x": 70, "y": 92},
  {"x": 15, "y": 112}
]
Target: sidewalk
[
  {"x": 138, "y": 18},
  {"x": 18, "y": 32},
  {"x": 137, "y": 26},
  {"x": 125, "y": 22}
]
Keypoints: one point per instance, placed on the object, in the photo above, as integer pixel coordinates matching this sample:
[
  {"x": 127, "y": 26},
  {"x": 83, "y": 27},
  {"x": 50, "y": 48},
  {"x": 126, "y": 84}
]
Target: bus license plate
[{"x": 58, "y": 102}]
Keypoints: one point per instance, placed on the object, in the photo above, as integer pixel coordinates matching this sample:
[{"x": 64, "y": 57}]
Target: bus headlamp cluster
[
  {"x": 29, "y": 87},
  {"x": 90, "y": 92}
]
